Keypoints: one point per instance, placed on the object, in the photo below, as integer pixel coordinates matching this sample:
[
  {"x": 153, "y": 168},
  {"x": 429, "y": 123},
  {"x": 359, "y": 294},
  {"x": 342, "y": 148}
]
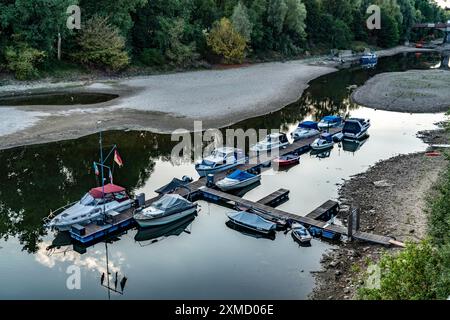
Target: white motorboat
[
  {"x": 270, "y": 142},
  {"x": 324, "y": 142},
  {"x": 301, "y": 234},
  {"x": 305, "y": 129},
  {"x": 94, "y": 205},
  {"x": 329, "y": 122},
  {"x": 355, "y": 128},
  {"x": 238, "y": 179},
  {"x": 169, "y": 208},
  {"x": 221, "y": 159}
]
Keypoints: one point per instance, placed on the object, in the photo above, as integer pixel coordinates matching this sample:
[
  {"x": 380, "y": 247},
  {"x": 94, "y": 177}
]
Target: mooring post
[
  {"x": 357, "y": 219},
  {"x": 350, "y": 225}
]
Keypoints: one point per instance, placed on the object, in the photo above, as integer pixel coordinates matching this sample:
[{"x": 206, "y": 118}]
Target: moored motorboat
[
  {"x": 270, "y": 142},
  {"x": 286, "y": 160},
  {"x": 172, "y": 229},
  {"x": 301, "y": 234},
  {"x": 369, "y": 58},
  {"x": 329, "y": 122},
  {"x": 305, "y": 129},
  {"x": 167, "y": 209},
  {"x": 221, "y": 159},
  {"x": 355, "y": 128},
  {"x": 252, "y": 221},
  {"x": 94, "y": 205},
  {"x": 325, "y": 142},
  {"x": 238, "y": 179}
]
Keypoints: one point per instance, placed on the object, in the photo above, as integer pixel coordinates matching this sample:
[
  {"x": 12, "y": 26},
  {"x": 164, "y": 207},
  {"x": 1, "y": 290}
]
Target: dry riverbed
[{"x": 391, "y": 196}]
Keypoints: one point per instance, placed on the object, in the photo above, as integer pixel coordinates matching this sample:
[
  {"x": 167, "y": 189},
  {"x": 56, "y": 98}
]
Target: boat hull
[
  {"x": 356, "y": 136},
  {"x": 205, "y": 171},
  {"x": 285, "y": 163},
  {"x": 238, "y": 185},
  {"x": 159, "y": 221},
  {"x": 321, "y": 147},
  {"x": 256, "y": 147}
]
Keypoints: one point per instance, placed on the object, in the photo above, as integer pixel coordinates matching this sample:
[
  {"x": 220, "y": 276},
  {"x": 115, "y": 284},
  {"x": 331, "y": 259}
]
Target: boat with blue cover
[
  {"x": 329, "y": 122},
  {"x": 305, "y": 129},
  {"x": 252, "y": 221},
  {"x": 355, "y": 128},
  {"x": 238, "y": 179}
]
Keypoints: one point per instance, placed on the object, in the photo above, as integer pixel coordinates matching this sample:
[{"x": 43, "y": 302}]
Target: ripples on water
[{"x": 210, "y": 260}]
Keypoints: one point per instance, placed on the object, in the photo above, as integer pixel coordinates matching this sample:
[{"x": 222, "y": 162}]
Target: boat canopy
[
  {"x": 170, "y": 201},
  {"x": 240, "y": 175},
  {"x": 172, "y": 185},
  {"x": 327, "y": 136},
  {"x": 107, "y": 189},
  {"x": 252, "y": 220},
  {"x": 331, "y": 118},
  {"x": 308, "y": 125}
]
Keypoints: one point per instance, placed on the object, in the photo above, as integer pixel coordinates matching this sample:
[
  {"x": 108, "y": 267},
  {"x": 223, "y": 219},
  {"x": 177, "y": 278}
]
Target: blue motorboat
[
  {"x": 238, "y": 179},
  {"x": 329, "y": 122},
  {"x": 369, "y": 59}
]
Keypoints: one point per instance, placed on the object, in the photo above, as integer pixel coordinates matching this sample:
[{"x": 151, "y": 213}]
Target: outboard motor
[
  {"x": 210, "y": 180},
  {"x": 140, "y": 200}
]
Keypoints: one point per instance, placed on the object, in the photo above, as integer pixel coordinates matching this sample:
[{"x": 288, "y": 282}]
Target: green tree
[
  {"x": 227, "y": 42},
  {"x": 388, "y": 35},
  {"x": 276, "y": 14},
  {"x": 241, "y": 21},
  {"x": 295, "y": 18},
  {"x": 22, "y": 60},
  {"x": 100, "y": 44}
]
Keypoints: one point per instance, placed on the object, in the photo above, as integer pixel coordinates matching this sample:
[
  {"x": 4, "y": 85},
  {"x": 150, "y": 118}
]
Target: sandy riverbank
[
  {"x": 163, "y": 103},
  {"x": 410, "y": 91},
  {"x": 391, "y": 196}
]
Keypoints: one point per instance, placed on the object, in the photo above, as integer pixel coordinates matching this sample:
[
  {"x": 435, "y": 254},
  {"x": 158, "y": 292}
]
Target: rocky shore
[{"x": 391, "y": 196}]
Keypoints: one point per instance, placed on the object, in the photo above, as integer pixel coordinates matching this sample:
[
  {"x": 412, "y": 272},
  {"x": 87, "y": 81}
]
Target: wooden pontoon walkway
[{"x": 217, "y": 195}]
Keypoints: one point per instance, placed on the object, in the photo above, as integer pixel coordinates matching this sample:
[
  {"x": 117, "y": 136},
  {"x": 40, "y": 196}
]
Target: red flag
[{"x": 117, "y": 158}]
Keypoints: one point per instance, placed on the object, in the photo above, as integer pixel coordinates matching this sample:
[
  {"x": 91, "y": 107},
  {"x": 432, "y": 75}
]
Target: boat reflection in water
[
  {"x": 154, "y": 234},
  {"x": 354, "y": 145},
  {"x": 321, "y": 154},
  {"x": 245, "y": 231}
]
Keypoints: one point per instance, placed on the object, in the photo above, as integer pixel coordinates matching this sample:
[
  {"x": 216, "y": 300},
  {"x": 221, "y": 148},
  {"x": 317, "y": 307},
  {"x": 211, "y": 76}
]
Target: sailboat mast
[{"x": 103, "y": 179}]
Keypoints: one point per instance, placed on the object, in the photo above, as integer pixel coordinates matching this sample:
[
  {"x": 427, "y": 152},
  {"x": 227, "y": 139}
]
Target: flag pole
[{"x": 102, "y": 164}]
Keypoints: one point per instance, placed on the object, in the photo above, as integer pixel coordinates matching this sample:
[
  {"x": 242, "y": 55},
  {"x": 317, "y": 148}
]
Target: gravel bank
[
  {"x": 418, "y": 91},
  {"x": 391, "y": 196}
]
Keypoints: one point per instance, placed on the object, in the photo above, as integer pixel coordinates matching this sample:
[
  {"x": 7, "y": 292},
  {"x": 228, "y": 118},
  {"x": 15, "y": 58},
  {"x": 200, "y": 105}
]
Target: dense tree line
[{"x": 181, "y": 32}]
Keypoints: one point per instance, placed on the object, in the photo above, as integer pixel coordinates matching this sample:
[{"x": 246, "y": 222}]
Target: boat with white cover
[
  {"x": 270, "y": 142},
  {"x": 324, "y": 142},
  {"x": 238, "y": 179},
  {"x": 93, "y": 206},
  {"x": 167, "y": 209},
  {"x": 221, "y": 159},
  {"x": 301, "y": 234}
]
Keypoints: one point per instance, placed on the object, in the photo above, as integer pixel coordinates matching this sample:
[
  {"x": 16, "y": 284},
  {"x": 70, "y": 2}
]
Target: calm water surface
[{"x": 207, "y": 259}]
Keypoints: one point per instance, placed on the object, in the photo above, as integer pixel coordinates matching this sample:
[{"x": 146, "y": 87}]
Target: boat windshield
[
  {"x": 87, "y": 200},
  {"x": 220, "y": 154}
]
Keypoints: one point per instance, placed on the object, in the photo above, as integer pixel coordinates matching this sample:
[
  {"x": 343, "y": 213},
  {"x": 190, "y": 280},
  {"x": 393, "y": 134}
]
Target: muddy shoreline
[{"x": 391, "y": 196}]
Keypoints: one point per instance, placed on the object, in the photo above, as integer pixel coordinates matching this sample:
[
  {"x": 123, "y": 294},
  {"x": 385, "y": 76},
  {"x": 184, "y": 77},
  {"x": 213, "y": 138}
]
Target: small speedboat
[
  {"x": 287, "y": 160},
  {"x": 329, "y": 122},
  {"x": 236, "y": 180},
  {"x": 355, "y": 128},
  {"x": 252, "y": 221},
  {"x": 167, "y": 209},
  {"x": 305, "y": 129},
  {"x": 170, "y": 229},
  {"x": 301, "y": 234},
  {"x": 93, "y": 206},
  {"x": 369, "y": 58},
  {"x": 221, "y": 159},
  {"x": 270, "y": 142},
  {"x": 325, "y": 142}
]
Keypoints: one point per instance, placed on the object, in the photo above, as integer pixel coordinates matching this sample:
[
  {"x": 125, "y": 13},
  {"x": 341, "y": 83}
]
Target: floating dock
[{"x": 257, "y": 163}]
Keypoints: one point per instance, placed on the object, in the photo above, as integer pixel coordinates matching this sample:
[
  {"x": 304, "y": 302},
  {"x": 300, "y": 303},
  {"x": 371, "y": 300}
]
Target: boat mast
[{"x": 102, "y": 164}]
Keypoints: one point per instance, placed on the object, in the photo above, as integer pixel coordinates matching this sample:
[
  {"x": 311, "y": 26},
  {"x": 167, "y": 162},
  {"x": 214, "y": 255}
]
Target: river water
[{"x": 203, "y": 258}]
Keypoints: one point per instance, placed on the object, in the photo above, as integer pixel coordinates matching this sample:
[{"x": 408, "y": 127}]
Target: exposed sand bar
[{"x": 411, "y": 91}]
